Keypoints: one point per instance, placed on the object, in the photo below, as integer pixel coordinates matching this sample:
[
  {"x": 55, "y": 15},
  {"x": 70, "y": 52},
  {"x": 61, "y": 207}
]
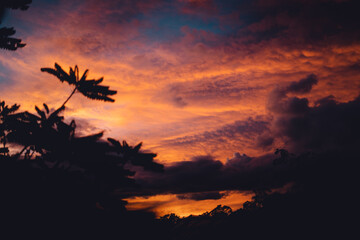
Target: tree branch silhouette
[
  {"x": 89, "y": 88},
  {"x": 7, "y": 42}
]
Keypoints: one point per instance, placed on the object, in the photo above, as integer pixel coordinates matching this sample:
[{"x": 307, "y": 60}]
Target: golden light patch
[{"x": 169, "y": 203}]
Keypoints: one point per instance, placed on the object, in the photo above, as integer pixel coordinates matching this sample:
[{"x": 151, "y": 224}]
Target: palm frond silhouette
[{"x": 89, "y": 88}]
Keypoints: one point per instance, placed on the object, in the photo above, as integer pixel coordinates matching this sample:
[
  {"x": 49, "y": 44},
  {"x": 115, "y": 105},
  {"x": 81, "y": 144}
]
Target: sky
[{"x": 212, "y": 86}]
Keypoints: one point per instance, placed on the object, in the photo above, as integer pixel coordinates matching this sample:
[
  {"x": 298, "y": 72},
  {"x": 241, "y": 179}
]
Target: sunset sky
[{"x": 204, "y": 81}]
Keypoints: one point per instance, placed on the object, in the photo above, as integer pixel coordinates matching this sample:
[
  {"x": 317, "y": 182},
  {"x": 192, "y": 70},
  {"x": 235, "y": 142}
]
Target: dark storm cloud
[
  {"x": 204, "y": 177},
  {"x": 265, "y": 141},
  {"x": 202, "y": 196},
  {"x": 326, "y": 125},
  {"x": 280, "y": 103},
  {"x": 304, "y": 85}
]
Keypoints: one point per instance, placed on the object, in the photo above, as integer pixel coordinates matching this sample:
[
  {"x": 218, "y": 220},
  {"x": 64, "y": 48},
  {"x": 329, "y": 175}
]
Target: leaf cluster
[
  {"x": 89, "y": 88},
  {"x": 7, "y": 42},
  {"x": 5, "y": 113}
]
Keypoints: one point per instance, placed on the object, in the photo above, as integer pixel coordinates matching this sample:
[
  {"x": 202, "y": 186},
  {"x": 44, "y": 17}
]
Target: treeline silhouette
[
  {"x": 321, "y": 203},
  {"x": 309, "y": 210}
]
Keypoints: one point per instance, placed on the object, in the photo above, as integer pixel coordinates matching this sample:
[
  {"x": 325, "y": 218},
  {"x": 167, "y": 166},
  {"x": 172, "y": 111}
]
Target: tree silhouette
[
  {"x": 39, "y": 132},
  {"x": 137, "y": 158},
  {"x": 69, "y": 178},
  {"x": 52, "y": 142},
  {"x": 5, "y": 113},
  {"x": 171, "y": 218},
  {"x": 7, "y": 42}
]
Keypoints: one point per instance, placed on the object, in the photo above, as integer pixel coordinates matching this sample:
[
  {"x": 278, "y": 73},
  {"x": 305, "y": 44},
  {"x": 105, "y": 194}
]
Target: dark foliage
[
  {"x": 5, "y": 113},
  {"x": 16, "y": 4},
  {"x": 50, "y": 174},
  {"x": 6, "y": 41}
]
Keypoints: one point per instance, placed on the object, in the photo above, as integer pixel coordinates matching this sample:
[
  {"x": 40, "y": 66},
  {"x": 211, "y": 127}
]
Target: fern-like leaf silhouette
[{"x": 89, "y": 88}]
